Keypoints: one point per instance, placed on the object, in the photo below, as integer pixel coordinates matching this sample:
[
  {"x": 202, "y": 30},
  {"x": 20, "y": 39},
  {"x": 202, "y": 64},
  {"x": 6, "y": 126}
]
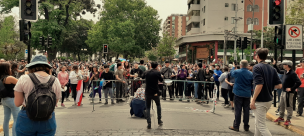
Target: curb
[
  {"x": 293, "y": 128},
  {"x": 10, "y": 126}
]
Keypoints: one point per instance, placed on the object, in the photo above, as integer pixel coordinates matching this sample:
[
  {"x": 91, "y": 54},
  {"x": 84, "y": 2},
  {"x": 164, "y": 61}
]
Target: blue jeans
[
  {"x": 195, "y": 90},
  {"x": 26, "y": 127},
  {"x": 9, "y": 109}
]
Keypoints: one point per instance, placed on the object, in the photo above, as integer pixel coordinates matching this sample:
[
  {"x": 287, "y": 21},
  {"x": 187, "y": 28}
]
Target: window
[
  {"x": 226, "y": 4},
  {"x": 204, "y": 9},
  {"x": 173, "y": 19},
  {"x": 233, "y": 7},
  {"x": 195, "y": 13},
  {"x": 203, "y": 22},
  {"x": 187, "y": 19},
  {"x": 256, "y": 21},
  {"x": 249, "y": 8},
  {"x": 256, "y": 8},
  {"x": 248, "y": 21},
  {"x": 232, "y": 20},
  {"x": 226, "y": 19}
]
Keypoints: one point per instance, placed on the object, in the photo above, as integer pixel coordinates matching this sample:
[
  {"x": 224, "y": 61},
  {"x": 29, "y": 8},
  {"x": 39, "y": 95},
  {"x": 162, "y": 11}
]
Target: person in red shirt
[{"x": 300, "y": 73}]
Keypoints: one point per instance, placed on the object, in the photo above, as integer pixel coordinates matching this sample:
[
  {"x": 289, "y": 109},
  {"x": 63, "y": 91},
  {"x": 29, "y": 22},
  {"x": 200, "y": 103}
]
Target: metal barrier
[{"x": 131, "y": 90}]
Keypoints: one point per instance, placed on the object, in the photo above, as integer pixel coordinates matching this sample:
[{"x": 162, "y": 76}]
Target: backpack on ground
[
  {"x": 3, "y": 91},
  {"x": 41, "y": 101}
]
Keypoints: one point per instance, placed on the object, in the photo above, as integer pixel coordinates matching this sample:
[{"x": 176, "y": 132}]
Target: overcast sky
[{"x": 164, "y": 8}]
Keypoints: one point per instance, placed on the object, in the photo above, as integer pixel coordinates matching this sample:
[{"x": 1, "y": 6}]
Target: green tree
[
  {"x": 268, "y": 40},
  {"x": 166, "y": 46},
  {"x": 295, "y": 13},
  {"x": 152, "y": 54},
  {"x": 128, "y": 26},
  {"x": 56, "y": 17},
  {"x": 11, "y": 47}
]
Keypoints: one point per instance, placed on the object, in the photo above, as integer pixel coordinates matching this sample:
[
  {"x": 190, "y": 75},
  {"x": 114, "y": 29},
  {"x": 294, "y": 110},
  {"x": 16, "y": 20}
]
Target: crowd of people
[{"x": 245, "y": 86}]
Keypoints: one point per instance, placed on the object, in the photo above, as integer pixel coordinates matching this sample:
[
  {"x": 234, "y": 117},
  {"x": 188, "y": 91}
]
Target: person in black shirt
[
  {"x": 107, "y": 89},
  {"x": 152, "y": 92},
  {"x": 136, "y": 73}
]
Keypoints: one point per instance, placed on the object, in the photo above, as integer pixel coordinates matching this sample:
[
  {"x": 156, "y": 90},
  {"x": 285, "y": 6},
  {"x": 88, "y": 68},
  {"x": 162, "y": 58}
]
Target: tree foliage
[
  {"x": 166, "y": 46},
  {"x": 295, "y": 13},
  {"x": 54, "y": 17},
  {"x": 10, "y": 46},
  {"x": 127, "y": 26}
]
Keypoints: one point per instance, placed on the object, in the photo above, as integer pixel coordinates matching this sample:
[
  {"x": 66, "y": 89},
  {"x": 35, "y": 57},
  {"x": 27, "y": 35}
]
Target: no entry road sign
[{"x": 294, "y": 37}]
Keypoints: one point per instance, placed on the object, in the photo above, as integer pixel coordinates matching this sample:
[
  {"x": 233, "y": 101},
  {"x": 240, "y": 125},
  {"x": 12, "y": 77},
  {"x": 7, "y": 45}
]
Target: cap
[
  {"x": 166, "y": 61},
  {"x": 289, "y": 63},
  {"x": 302, "y": 60}
]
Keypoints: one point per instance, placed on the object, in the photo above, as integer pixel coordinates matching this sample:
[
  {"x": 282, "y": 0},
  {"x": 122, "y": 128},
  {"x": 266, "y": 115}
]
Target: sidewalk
[{"x": 296, "y": 122}]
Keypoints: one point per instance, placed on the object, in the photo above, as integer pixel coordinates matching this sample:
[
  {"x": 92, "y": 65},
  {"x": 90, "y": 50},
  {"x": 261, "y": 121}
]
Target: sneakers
[
  {"x": 106, "y": 103},
  {"x": 252, "y": 115},
  {"x": 298, "y": 115},
  {"x": 232, "y": 108},
  {"x": 160, "y": 122},
  {"x": 180, "y": 99},
  {"x": 226, "y": 106},
  {"x": 287, "y": 122},
  {"x": 62, "y": 105},
  {"x": 149, "y": 126},
  {"x": 278, "y": 113},
  {"x": 112, "y": 103},
  {"x": 279, "y": 120}
]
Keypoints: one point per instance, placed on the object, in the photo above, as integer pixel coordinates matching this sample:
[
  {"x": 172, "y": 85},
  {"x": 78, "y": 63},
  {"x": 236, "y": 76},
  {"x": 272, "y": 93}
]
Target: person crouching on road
[
  {"x": 242, "y": 90},
  {"x": 152, "y": 92},
  {"x": 290, "y": 83}
]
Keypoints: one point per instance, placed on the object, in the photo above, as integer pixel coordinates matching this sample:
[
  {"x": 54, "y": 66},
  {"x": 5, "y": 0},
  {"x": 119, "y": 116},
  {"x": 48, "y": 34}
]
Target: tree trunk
[
  {"x": 68, "y": 55},
  {"x": 51, "y": 54},
  {"x": 74, "y": 56}
]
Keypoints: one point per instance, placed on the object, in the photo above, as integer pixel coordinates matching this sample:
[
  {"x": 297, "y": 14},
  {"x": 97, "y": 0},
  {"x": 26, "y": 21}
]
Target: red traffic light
[
  {"x": 277, "y": 2},
  {"x": 105, "y": 46},
  {"x": 211, "y": 57}
]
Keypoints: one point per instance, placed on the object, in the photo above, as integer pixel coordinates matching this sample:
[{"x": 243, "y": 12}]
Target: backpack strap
[
  {"x": 51, "y": 81},
  {"x": 34, "y": 78}
]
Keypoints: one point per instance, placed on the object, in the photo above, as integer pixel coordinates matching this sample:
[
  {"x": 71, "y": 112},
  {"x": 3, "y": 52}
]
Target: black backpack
[
  {"x": 3, "y": 91},
  {"x": 41, "y": 101}
]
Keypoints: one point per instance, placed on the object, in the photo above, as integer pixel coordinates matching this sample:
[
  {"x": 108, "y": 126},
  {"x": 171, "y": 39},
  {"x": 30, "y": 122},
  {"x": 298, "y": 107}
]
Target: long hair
[
  {"x": 14, "y": 67},
  {"x": 39, "y": 67},
  {"x": 5, "y": 69}
]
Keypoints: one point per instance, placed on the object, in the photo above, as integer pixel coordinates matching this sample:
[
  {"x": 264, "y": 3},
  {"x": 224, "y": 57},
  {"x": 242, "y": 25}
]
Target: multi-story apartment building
[
  {"x": 208, "y": 20},
  {"x": 175, "y": 25}
]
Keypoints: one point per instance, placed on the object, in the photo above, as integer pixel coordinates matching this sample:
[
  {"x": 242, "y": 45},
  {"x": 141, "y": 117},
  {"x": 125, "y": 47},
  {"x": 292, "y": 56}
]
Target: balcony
[
  {"x": 193, "y": 7},
  {"x": 193, "y": 31},
  {"x": 193, "y": 19}
]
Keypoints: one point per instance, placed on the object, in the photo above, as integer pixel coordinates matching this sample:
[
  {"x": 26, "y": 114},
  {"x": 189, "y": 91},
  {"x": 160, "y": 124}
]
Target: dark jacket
[
  {"x": 152, "y": 77},
  {"x": 289, "y": 80},
  {"x": 201, "y": 75}
]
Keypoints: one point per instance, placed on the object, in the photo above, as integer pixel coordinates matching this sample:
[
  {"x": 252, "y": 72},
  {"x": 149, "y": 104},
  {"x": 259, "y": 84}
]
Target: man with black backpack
[{"x": 37, "y": 93}]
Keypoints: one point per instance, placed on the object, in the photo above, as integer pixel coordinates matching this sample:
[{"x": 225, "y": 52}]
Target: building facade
[
  {"x": 208, "y": 21},
  {"x": 175, "y": 25}
]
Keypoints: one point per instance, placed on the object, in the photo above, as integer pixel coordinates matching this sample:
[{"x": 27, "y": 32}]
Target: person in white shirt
[{"x": 74, "y": 76}]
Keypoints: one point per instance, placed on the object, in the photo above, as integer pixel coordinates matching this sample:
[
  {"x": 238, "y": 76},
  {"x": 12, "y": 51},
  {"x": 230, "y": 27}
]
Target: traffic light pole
[
  {"x": 29, "y": 51},
  {"x": 252, "y": 30}
]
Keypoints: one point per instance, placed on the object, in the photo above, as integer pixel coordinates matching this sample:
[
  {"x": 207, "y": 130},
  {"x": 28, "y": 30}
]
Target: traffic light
[
  {"x": 105, "y": 48},
  {"x": 279, "y": 37},
  {"x": 41, "y": 41},
  {"x": 25, "y": 30},
  {"x": 28, "y": 9},
  {"x": 239, "y": 43},
  {"x": 245, "y": 42},
  {"x": 49, "y": 41},
  {"x": 276, "y": 12}
]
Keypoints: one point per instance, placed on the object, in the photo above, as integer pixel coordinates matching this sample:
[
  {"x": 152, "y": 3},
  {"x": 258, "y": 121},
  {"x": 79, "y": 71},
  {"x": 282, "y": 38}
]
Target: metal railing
[{"x": 130, "y": 89}]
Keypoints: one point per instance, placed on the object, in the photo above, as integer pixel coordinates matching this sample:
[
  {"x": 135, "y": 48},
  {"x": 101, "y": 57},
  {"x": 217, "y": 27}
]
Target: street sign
[
  {"x": 294, "y": 37},
  {"x": 25, "y": 53}
]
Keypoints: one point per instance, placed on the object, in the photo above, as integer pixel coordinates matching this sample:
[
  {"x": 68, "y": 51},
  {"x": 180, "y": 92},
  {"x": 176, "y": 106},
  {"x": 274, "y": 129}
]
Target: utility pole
[
  {"x": 235, "y": 28},
  {"x": 252, "y": 30},
  {"x": 262, "y": 36},
  {"x": 225, "y": 46}
]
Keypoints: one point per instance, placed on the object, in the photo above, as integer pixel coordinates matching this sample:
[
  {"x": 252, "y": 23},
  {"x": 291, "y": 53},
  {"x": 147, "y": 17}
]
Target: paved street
[{"x": 180, "y": 118}]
